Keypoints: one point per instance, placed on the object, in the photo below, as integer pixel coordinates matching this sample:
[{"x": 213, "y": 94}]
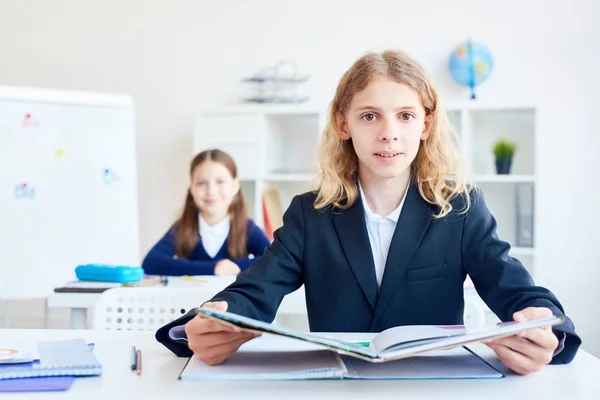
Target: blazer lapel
[
  {"x": 351, "y": 229},
  {"x": 410, "y": 229}
]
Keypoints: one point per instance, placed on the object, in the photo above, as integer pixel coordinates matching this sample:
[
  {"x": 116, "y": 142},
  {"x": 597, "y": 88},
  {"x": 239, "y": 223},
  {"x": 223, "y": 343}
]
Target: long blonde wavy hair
[{"x": 437, "y": 170}]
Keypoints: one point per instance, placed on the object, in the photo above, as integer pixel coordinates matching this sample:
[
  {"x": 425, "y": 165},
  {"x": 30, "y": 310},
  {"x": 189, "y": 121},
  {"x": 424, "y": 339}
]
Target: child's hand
[
  {"x": 227, "y": 267},
  {"x": 211, "y": 341},
  {"x": 531, "y": 350}
]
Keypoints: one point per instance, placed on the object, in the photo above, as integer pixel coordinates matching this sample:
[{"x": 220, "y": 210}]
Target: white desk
[
  {"x": 293, "y": 304},
  {"x": 578, "y": 380}
]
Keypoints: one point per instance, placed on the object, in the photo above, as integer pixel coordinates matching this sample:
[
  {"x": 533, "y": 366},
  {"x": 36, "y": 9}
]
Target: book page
[
  {"x": 253, "y": 325},
  {"x": 458, "y": 363},
  {"x": 405, "y": 336},
  {"x": 473, "y": 334}
]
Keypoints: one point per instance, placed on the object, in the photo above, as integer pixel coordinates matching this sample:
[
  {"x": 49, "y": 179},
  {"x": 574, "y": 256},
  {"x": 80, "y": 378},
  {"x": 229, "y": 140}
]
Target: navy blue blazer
[{"x": 329, "y": 252}]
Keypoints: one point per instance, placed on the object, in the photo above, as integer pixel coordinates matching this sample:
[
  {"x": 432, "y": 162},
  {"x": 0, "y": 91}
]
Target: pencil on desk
[
  {"x": 139, "y": 362},
  {"x": 193, "y": 278},
  {"x": 133, "y": 358}
]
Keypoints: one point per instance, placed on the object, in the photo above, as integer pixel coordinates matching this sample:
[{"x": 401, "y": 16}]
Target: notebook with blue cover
[{"x": 56, "y": 358}]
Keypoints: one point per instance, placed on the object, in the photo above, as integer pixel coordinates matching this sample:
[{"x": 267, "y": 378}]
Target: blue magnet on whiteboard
[
  {"x": 24, "y": 191},
  {"x": 109, "y": 176}
]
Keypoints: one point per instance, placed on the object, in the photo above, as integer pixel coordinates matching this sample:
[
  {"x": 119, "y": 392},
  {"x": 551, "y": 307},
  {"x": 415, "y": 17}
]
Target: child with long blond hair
[
  {"x": 214, "y": 235},
  {"x": 389, "y": 236}
]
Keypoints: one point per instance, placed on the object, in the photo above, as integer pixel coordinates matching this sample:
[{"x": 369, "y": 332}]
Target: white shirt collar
[
  {"x": 214, "y": 236},
  {"x": 371, "y": 216},
  {"x": 219, "y": 229}
]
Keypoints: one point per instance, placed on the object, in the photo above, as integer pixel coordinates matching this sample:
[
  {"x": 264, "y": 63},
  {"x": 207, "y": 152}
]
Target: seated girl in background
[{"x": 214, "y": 234}]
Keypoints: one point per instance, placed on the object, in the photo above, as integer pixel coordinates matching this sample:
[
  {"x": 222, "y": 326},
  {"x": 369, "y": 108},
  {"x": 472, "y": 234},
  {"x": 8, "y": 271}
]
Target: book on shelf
[{"x": 272, "y": 212}]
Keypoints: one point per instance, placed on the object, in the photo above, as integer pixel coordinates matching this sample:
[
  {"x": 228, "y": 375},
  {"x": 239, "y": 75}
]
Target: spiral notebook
[
  {"x": 56, "y": 358},
  {"x": 86, "y": 287}
]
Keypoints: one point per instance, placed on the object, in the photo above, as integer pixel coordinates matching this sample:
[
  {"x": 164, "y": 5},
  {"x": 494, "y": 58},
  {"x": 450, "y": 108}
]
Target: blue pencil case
[{"x": 109, "y": 273}]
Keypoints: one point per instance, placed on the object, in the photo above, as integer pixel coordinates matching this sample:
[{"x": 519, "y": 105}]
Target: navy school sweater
[{"x": 161, "y": 260}]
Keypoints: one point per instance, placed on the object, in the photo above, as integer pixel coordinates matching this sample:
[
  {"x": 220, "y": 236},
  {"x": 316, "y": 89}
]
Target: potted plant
[{"x": 503, "y": 153}]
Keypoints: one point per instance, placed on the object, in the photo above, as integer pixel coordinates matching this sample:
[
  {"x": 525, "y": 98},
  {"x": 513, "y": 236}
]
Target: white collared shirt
[
  {"x": 214, "y": 236},
  {"x": 380, "y": 230}
]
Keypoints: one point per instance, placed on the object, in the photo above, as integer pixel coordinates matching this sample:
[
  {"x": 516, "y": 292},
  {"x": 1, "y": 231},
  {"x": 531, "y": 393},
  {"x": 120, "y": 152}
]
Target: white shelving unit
[{"x": 276, "y": 147}]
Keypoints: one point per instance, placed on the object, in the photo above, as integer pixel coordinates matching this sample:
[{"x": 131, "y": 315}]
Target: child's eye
[
  {"x": 202, "y": 183},
  {"x": 406, "y": 116},
  {"x": 369, "y": 117}
]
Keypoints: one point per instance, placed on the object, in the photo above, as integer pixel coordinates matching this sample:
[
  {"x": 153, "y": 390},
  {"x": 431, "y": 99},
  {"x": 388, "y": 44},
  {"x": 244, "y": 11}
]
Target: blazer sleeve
[
  {"x": 502, "y": 281},
  {"x": 257, "y": 240},
  {"x": 160, "y": 261},
  {"x": 258, "y": 291},
  {"x": 178, "y": 346}
]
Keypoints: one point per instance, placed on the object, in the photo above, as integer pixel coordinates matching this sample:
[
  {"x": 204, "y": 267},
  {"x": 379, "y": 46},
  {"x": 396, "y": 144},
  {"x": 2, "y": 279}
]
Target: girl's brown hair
[
  {"x": 438, "y": 169},
  {"x": 186, "y": 228}
]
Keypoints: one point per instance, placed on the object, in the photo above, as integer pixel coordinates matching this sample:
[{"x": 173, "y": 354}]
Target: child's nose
[
  {"x": 212, "y": 188},
  {"x": 389, "y": 131}
]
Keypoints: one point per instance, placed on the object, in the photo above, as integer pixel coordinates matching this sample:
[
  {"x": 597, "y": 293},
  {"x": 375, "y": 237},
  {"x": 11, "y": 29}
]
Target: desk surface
[{"x": 578, "y": 380}]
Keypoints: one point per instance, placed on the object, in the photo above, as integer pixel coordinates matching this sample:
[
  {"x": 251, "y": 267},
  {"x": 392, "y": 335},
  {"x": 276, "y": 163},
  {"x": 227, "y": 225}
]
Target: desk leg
[
  {"x": 7, "y": 311},
  {"x": 78, "y": 318},
  {"x": 46, "y": 313}
]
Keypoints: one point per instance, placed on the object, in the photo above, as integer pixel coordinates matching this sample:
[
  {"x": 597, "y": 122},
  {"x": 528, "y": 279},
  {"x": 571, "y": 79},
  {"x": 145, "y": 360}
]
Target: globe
[{"x": 471, "y": 64}]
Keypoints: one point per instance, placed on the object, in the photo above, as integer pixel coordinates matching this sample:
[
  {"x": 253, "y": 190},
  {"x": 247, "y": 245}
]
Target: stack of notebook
[{"x": 54, "y": 367}]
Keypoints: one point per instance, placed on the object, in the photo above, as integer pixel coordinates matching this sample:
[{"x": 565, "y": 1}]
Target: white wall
[{"x": 182, "y": 56}]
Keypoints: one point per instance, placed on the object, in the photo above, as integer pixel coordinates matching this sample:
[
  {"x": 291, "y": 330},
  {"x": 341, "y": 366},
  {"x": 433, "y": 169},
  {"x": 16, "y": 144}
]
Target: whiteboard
[{"x": 68, "y": 186}]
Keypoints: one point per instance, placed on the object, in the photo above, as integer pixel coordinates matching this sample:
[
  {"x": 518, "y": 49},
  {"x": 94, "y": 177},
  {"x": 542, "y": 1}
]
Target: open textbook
[
  {"x": 274, "y": 358},
  {"x": 393, "y": 343}
]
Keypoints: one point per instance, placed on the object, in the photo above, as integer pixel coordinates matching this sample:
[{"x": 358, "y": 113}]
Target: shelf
[
  {"x": 284, "y": 177},
  {"x": 291, "y": 141},
  {"x": 284, "y": 139},
  {"x": 486, "y": 127},
  {"x": 505, "y": 178}
]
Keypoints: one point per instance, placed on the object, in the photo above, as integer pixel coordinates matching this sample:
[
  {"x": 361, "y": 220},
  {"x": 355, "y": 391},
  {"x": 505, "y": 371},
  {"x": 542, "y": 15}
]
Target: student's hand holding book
[
  {"x": 211, "y": 341},
  {"x": 531, "y": 350}
]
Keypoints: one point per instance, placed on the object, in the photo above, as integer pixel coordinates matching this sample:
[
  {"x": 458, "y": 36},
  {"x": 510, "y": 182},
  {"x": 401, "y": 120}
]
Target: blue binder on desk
[{"x": 109, "y": 273}]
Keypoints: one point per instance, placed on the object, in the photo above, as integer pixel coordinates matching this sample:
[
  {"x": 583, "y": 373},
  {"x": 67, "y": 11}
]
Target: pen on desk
[
  {"x": 133, "y": 358},
  {"x": 139, "y": 362},
  {"x": 193, "y": 278}
]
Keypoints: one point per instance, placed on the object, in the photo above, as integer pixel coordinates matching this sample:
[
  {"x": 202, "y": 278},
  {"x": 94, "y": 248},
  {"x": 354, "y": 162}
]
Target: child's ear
[
  {"x": 340, "y": 121},
  {"x": 236, "y": 186},
  {"x": 427, "y": 127}
]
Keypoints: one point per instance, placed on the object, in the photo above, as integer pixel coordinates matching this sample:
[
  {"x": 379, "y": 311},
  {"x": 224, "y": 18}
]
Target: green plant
[{"x": 504, "y": 150}]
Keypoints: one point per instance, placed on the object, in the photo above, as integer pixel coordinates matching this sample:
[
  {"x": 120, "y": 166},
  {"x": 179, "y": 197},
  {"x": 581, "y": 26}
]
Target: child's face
[
  {"x": 386, "y": 122},
  {"x": 213, "y": 189}
]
